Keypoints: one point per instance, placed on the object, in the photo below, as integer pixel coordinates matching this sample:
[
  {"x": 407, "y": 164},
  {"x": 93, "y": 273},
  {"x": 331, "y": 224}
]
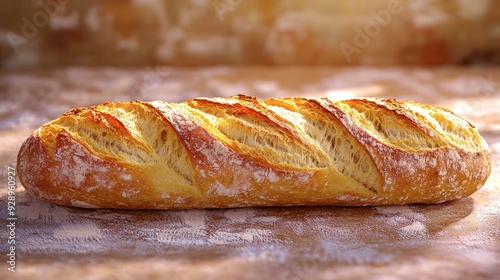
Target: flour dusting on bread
[{"x": 242, "y": 151}]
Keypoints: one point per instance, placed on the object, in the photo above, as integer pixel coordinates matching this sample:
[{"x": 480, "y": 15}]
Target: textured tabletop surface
[{"x": 455, "y": 240}]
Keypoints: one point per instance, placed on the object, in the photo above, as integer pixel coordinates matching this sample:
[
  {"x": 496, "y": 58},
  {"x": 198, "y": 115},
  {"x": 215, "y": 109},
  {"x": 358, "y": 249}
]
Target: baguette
[{"x": 243, "y": 151}]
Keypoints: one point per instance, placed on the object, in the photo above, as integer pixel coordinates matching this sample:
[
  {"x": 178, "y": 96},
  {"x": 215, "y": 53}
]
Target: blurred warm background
[
  {"x": 59, "y": 54},
  {"x": 65, "y": 54},
  {"x": 52, "y": 33}
]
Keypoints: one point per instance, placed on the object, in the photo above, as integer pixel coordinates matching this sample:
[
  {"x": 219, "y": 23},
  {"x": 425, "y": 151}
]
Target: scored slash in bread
[{"x": 243, "y": 151}]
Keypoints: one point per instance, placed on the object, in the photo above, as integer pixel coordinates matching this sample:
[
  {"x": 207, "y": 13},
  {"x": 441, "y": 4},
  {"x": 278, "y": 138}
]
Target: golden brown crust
[{"x": 242, "y": 151}]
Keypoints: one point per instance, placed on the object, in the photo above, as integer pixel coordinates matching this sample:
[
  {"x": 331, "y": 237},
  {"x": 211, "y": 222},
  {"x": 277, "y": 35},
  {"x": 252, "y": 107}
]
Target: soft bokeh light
[{"x": 56, "y": 55}]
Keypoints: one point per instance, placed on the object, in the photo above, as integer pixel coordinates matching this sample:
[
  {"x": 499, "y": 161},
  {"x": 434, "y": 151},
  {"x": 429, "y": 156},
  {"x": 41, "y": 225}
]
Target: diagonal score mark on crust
[
  {"x": 413, "y": 126},
  {"x": 132, "y": 131},
  {"x": 324, "y": 128},
  {"x": 153, "y": 128},
  {"x": 387, "y": 125},
  {"x": 449, "y": 127},
  {"x": 259, "y": 133},
  {"x": 91, "y": 125}
]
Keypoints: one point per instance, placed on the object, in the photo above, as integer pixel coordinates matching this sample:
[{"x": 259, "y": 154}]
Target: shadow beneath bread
[
  {"x": 297, "y": 242},
  {"x": 340, "y": 234}
]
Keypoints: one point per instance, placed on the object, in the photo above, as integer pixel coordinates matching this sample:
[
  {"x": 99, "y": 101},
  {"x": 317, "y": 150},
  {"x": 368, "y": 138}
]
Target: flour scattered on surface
[
  {"x": 83, "y": 231},
  {"x": 194, "y": 219},
  {"x": 83, "y": 204},
  {"x": 307, "y": 238},
  {"x": 412, "y": 229},
  {"x": 404, "y": 218},
  {"x": 239, "y": 215}
]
